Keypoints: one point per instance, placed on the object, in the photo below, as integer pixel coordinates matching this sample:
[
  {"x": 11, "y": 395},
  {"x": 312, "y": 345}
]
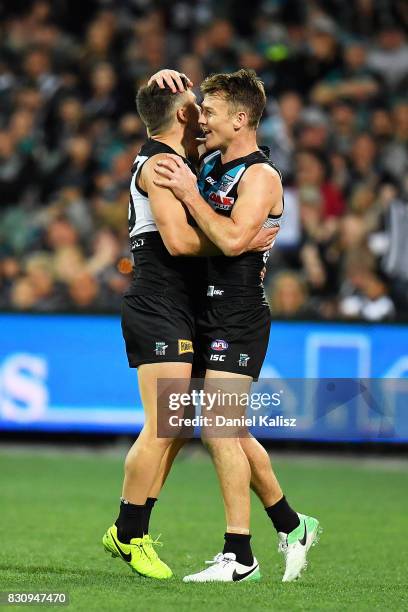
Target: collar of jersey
[
  {"x": 238, "y": 160},
  {"x": 166, "y": 146}
]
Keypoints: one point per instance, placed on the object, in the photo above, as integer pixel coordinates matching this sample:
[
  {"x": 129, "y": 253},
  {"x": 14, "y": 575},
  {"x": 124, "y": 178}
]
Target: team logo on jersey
[
  {"x": 226, "y": 183},
  {"x": 211, "y": 291},
  {"x": 219, "y": 345},
  {"x": 161, "y": 348},
  {"x": 210, "y": 180},
  {"x": 185, "y": 346},
  {"x": 221, "y": 201},
  {"x": 243, "y": 360}
]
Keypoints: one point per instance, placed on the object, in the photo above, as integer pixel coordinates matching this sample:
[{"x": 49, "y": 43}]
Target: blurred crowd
[{"x": 336, "y": 75}]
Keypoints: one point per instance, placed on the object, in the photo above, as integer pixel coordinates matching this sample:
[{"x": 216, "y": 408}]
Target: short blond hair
[{"x": 242, "y": 89}]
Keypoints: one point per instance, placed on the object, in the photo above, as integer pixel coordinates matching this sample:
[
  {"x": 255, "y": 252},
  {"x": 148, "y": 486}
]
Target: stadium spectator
[
  {"x": 288, "y": 297},
  {"x": 355, "y": 81},
  {"x": 367, "y": 297},
  {"x": 22, "y": 294},
  {"x": 312, "y": 171},
  {"x": 17, "y": 171},
  {"x": 48, "y": 295},
  {"x": 84, "y": 293},
  {"x": 389, "y": 57}
]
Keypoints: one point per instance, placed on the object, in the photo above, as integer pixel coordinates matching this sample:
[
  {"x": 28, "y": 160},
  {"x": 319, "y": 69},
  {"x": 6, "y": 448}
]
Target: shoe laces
[
  {"x": 141, "y": 547},
  {"x": 220, "y": 558},
  {"x": 283, "y": 543},
  {"x": 155, "y": 542},
  {"x": 149, "y": 543}
]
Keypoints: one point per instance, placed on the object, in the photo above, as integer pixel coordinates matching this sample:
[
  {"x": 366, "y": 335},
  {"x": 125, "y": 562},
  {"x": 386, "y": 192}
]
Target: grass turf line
[{"x": 54, "y": 510}]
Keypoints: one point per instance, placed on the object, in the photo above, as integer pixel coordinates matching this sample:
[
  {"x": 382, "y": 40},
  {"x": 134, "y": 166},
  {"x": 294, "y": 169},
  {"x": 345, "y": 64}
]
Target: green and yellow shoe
[{"x": 139, "y": 554}]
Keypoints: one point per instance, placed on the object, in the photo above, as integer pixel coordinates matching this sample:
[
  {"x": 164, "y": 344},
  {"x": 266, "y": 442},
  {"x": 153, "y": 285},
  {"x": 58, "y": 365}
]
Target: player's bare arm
[
  {"x": 179, "y": 237},
  {"x": 259, "y": 194}
]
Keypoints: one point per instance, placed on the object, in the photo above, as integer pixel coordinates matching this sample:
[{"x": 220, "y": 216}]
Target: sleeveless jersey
[
  {"x": 155, "y": 270},
  {"x": 229, "y": 277}
]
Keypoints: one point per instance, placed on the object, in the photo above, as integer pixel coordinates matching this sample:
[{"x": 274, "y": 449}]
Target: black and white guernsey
[
  {"x": 155, "y": 271},
  {"x": 229, "y": 277}
]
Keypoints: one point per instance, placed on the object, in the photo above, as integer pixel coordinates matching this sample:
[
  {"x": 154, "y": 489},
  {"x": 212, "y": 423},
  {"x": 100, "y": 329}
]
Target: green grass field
[{"x": 55, "y": 508}]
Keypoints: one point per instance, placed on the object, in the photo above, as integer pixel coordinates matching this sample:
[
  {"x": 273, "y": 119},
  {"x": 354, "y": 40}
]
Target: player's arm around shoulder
[
  {"x": 169, "y": 213},
  {"x": 259, "y": 194}
]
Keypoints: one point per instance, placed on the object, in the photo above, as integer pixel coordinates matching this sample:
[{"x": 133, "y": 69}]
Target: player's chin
[{"x": 211, "y": 143}]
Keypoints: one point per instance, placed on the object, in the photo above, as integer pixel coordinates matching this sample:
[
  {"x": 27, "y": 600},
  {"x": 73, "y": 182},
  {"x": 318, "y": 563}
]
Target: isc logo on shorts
[
  {"x": 217, "y": 357},
  {"x": 211, "y": 290},
  {"x": 219, "y": 345},
  {"x": 136, "y": 243},
  {"x": 185, "y": 346}
]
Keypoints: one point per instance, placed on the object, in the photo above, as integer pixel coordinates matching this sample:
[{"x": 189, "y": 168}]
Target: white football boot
[
  {"x": 224, "y": 568},
  {"x": 296, "y": 544}
]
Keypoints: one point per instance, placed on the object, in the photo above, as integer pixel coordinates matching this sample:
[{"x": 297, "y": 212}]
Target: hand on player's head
[{"x": 173, "y": 79}]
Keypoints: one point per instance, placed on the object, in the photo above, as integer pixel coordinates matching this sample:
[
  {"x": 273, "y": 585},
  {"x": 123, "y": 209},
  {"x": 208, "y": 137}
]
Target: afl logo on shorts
[{"x": 219, "y": 345}]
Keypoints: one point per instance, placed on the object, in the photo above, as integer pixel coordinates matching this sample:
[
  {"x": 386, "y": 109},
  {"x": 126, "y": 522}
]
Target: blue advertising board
[{"x": 70, "y": 373}]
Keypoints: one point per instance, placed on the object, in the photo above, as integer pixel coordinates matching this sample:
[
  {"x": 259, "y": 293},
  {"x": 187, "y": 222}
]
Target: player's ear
[
  {"x": 181, "y": 114},
  {"x": 240, "y": 119}
]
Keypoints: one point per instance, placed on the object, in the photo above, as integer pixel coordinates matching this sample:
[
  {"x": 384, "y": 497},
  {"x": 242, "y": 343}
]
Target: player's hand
[
  {"x": 174, "y": 174},
  {"x": 170, "y": 78},
  {"x": 264, "y": 240}
]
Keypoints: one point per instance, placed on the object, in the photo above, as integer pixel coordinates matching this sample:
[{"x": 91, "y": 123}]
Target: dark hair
[
  {"x": 156, "y": 106},
  {"x": 318, "y": 156},
  {"x": 241, "y": 89}
]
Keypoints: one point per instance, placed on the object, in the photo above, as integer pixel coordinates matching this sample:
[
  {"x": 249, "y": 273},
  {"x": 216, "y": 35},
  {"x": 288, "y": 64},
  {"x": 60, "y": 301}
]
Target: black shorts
[
  {"x": 157, "y": 329},
  {"x": 232, "y": 336}
]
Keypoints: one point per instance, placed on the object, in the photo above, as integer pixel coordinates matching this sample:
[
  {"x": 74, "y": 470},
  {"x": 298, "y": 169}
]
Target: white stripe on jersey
[
  {"x": 273, "y": 222},
  {"x": 209, "y": 156},
  {"x": 235, "y": 181},
  {"x": 144, "y": 221}
]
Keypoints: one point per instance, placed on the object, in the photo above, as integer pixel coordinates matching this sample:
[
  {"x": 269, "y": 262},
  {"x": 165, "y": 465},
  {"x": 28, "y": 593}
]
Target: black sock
[
  {"x": 284, "y": 519},
  {"x": 150, "y": 501},
  {"x": 239, "y": 543},
  {"x": 130, "y": 521}
]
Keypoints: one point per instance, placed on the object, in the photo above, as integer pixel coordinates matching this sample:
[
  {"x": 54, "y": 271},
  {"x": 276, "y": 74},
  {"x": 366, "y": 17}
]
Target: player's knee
[
  {"x": 218, "y": 445},
  {"x": 154, "y": 434}
]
